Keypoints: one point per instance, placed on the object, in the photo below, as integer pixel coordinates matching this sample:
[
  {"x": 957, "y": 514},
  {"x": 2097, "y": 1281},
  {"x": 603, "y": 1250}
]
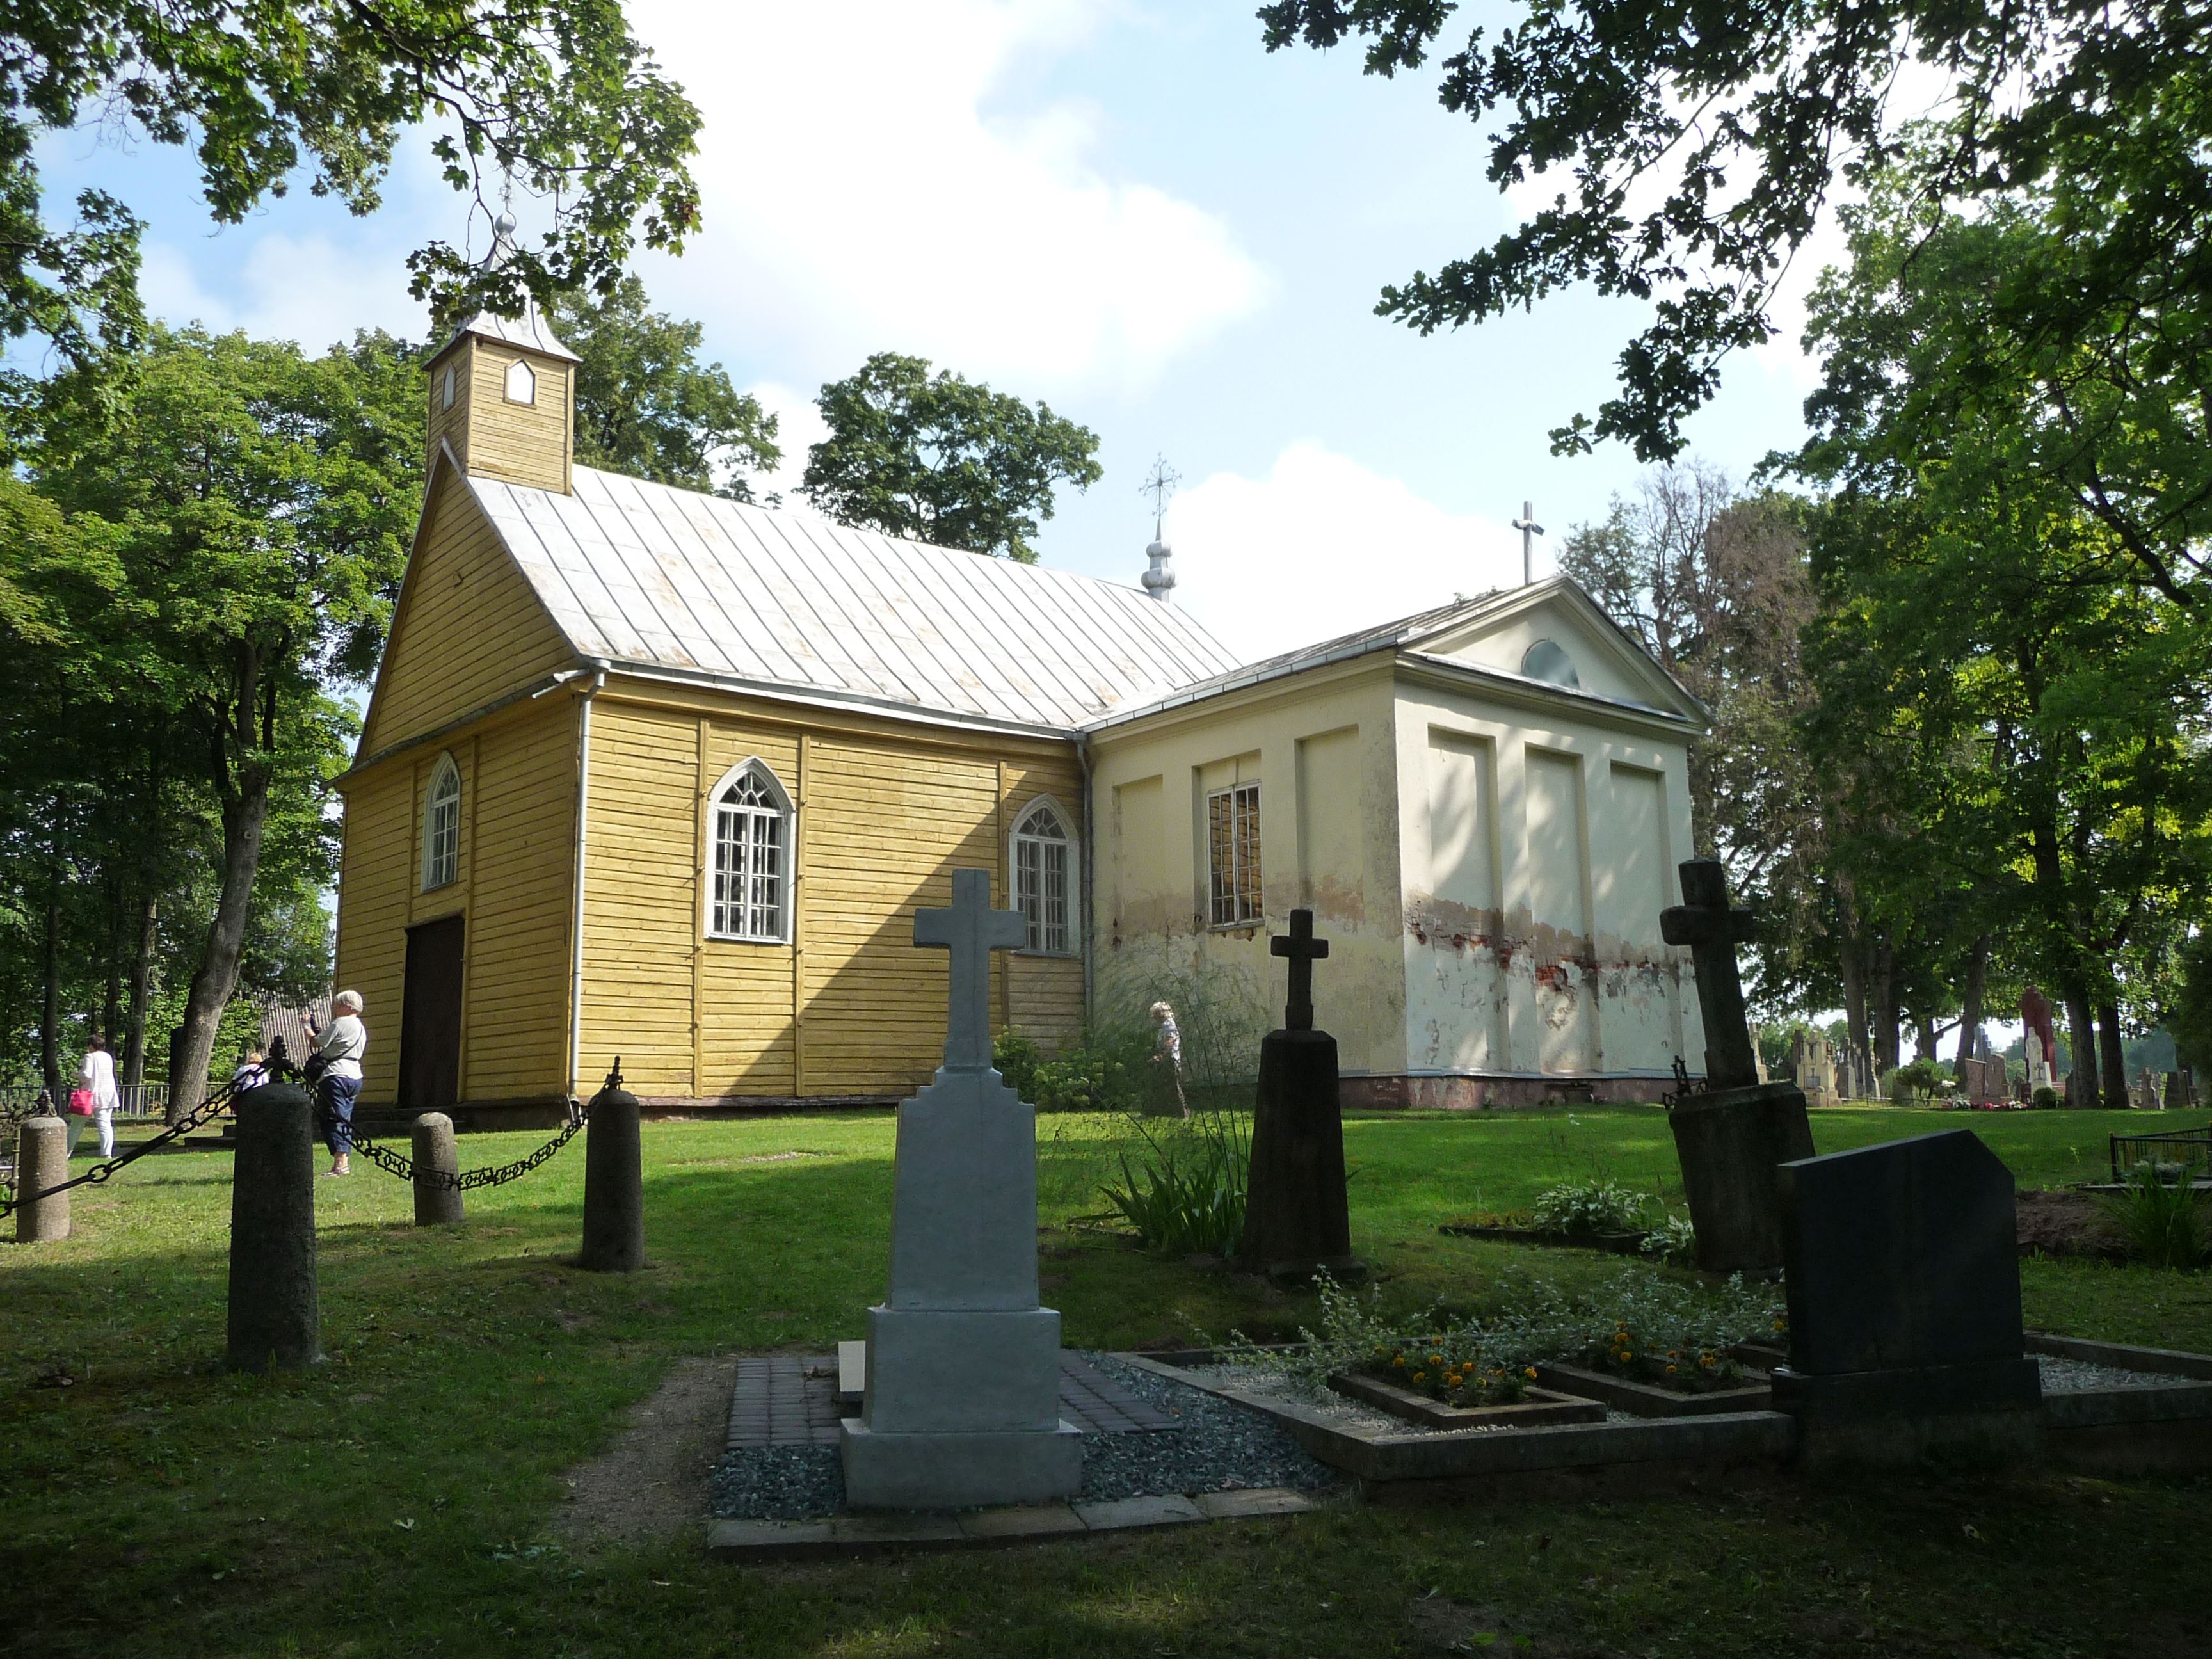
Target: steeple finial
[{"x": 1160, "y": 484}]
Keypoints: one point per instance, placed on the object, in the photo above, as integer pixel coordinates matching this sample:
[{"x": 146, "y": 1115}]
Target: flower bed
[{"x": 1531, "y": 1408}]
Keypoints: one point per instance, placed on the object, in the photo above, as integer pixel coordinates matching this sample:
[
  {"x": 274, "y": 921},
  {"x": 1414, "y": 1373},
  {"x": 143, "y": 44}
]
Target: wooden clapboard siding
[
  {"x": 468, "y": 628},
  {"x": 518, "y": 799},
  {"x": 849, "y": 1006},
  {"x": 517, "y": 851},
  {"x": 1041, "y": 997}
]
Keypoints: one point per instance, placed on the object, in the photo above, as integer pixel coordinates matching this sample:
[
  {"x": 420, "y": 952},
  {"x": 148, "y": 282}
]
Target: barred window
[
  {"x": 1045, "y": 878},
  {"x": 749, "y": 894},
  {"x": 1232, "y": 837},
  {"x": 441, "y": 825}
]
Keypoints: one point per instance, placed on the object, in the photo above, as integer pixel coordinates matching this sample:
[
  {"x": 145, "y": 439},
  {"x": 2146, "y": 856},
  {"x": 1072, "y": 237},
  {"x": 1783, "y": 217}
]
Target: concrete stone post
[
  {"x": 437, "y": 1204},
  {"x": 614, "y": 1183},
  {"x": 41, "y": 1161},
  {"x": 276, "y": 1321}
]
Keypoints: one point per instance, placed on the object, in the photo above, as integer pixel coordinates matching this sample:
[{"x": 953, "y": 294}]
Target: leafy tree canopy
[
  {"x": 557, "y": 94},
  {"x": 647, "y": 407},
  {"x": 1744, "y": 114},
  {"x": 943, "y": 459}
]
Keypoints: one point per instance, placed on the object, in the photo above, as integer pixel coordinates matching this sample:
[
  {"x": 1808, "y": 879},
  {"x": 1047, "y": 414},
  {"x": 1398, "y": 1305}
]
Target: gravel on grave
[
  {"x": 1215, "y": 1447},
  {"x": 2062, "y": 1375}
]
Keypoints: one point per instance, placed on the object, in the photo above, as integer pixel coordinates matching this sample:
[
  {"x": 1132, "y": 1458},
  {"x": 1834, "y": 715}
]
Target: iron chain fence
[{"x": 451, "y": 1180}]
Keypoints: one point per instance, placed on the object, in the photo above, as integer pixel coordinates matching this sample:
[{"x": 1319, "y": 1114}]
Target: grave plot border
[
  {"x": 1542, "y": 1406},
  {"x": 1629, "y": 1243},
  {"x": 1382, "y": 1457},
  {"x": 2129, "y": 1431},
  {"x": 1649, "y": 1399}
]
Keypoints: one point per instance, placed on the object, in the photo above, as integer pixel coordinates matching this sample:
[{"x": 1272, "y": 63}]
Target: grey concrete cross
[
  {"x": 971, "y": 930},
  {"x": 1304, "y": 950},
  {"x": 1704, "y": 922}
]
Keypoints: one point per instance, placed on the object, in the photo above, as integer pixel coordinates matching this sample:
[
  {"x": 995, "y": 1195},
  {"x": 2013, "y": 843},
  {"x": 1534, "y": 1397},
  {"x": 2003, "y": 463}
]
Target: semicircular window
[{"x": 1547, "y": 660}]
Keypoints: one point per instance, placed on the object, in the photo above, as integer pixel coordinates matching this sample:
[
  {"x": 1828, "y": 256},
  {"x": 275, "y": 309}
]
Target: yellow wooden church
[{"x": 651, "y": 774}]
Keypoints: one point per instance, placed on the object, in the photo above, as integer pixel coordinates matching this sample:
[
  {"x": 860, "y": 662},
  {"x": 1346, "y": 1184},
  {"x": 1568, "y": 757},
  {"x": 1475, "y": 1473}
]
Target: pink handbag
[{"x": 80, "y": 1102}]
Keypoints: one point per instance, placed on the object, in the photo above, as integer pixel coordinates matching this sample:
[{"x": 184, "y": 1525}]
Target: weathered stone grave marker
[
  {"x": 1731, "y": 1138},
  {"x": 41, "y": 1164},
  {"x": 963, "y": 1388},
  {"x": 1297, "y": 1221},
  {"x": 614, "y": 1182},
  {"x": 275, "y": 1320},
  {"x": 437, "y": 1159},
  {"x": 1903, "y": 1272}
]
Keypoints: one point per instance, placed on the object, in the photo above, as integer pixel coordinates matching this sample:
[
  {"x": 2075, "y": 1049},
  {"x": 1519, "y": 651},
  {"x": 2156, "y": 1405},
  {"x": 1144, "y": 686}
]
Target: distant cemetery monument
[{"x": 962, "y": 1400}]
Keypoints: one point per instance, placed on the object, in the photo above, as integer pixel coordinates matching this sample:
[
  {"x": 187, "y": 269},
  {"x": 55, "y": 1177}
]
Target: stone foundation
[{"x": 1385, "y": 1092}]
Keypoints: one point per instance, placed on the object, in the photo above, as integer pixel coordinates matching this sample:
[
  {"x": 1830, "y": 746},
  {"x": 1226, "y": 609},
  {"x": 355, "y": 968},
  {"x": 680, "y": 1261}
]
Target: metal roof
[
  {"x": 651, "y": 577},
  {"x": 530, "y": 330}
]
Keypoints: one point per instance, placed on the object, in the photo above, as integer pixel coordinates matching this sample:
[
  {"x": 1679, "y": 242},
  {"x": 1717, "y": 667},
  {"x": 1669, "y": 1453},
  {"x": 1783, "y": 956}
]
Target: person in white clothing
[
  {"x": 340, "y": 1046},
  {"x": 96, "y": 1077}
]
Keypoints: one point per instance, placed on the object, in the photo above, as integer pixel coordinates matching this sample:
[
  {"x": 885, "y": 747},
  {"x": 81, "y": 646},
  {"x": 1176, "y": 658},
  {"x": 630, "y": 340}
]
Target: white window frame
[
  {"x": 1243, "y": 861},
  {"x": 441, "y": 825},
  {"x": 520, "y": 366},
  {"x": 1038, "y": 937},
  {"x": 446, "y": 384},
  {"x": 785, "y": 818}
]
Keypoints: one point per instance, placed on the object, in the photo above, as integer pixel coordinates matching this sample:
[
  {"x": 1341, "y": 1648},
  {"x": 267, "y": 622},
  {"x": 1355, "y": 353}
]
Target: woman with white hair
[
  {"x": 1167, "y": 1096},
  {"x": 340, "y": 1046}
]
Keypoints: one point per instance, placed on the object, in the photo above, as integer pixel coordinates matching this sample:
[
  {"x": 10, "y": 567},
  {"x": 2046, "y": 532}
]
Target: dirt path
[{"x": 653, "y": 1481}]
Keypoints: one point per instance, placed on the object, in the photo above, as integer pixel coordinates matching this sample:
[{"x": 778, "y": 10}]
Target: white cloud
[
  {"x": 798, "y": 426},
  {"x": 861, "y": 193},
  {"x": 1323, "y": 546},
  {"x": 301, "y": 289}
]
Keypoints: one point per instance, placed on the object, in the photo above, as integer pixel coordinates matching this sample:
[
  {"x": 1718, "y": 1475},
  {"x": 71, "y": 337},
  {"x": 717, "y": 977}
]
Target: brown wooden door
[{"x": 430, "y": 1026}]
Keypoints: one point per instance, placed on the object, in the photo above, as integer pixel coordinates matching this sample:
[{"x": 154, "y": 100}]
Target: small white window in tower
[
  {"x": 749, "y": 884},
  {"x": 1232, "y": 838},
  {"x": 441, "y": 825},
  {"x": 521, "y": 384},
  {"x": 446, "y": 384},
  {"x": 1045, "y": 864}
]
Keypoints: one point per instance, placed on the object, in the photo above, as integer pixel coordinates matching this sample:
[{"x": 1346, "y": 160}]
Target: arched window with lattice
[
  {"x": 441, "y": 825},
  {"x": 748, "y": 873},
  {"x": 1047, "y": 862}
]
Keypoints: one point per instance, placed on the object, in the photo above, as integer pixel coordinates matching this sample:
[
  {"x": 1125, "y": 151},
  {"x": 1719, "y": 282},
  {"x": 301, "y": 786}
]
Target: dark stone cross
[
  {"x": 1304, "y": 950},
  {"x": 1704, "y": 922}
]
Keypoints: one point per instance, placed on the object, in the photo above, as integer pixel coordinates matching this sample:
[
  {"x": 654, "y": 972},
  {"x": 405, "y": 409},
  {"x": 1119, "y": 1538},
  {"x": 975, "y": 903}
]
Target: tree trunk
[
  {"x": 111, "y": 1011},
  {"x": 1923, "y": 1038},
  {"x": 50, "y": 1010},
  {"x": 142, "y": 992},
  {"x": 2114, "y": 1057},
  {"x": 1848, "y": 961},
  {"x": 1970, "y": 1015},
  {"x": 216, "y": 978},
  {"x": 1883, "y": 995},
  {"x": 2082, "y": 1044}
]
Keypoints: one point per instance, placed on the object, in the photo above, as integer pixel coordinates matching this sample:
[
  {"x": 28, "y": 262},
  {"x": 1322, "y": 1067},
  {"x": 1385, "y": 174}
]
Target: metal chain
[
  {"x": 464, "y": 1180},
  {"x": 198, "y": 1117}
]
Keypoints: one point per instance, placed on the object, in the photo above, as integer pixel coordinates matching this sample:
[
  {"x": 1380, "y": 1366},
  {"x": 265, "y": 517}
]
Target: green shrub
[
  {"x": 2045, "y": 1099},
  {"x": 1674, "y": 1240},
  {"x": 1911, "y": 1085},
  {"x": 1581, "y": 1208},
  {"x": 1184, "y": 1193},
  {"x": 2164, "y": 1225},
  {"x": 1017, "y": 1057}
]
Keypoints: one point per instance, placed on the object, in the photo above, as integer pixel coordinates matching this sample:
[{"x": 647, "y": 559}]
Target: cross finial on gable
[
  {"x": 1304, "y": 950},
  {"x": 971, "y": 930}
]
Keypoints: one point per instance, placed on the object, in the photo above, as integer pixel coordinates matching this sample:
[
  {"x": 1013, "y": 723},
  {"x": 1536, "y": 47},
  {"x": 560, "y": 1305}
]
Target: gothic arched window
[
  {"x": 1047, "y": 865},
  {"x": 749, "y": 880},
  {"x": 441, "y": 825}
]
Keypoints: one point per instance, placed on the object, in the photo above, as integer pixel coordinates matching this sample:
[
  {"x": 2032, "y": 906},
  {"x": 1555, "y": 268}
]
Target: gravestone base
[
  {"x": 959, "y": 1470},
  {"x": 1989, "y": 1411},
  {"x": 1729, "y": 1143}
]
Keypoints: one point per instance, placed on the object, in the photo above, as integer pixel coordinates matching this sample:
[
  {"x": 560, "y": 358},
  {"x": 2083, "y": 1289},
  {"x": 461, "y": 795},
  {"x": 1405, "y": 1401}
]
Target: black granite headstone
[
  {"x": 1296, "y": 1217},
  {"x": 1903, "y": 1272}
]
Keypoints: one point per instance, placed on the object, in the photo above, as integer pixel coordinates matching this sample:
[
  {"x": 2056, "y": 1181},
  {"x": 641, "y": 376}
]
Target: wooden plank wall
[
  {"x": 468, "y": 629},
  {"x": 517, "y": 796},
  {"x": 848, "y": 1007},
  {"x": 523, "y": 443}
]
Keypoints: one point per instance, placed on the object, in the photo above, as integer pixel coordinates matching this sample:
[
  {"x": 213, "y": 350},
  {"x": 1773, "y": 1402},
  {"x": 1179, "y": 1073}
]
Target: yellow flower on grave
[
  {"x": 1531, "y": 1372},
  {"x": 1435, "y": 1359},
  {"x": 1780, "y": 1324},
  {"x": 1420, "y": 1376},
  {"x": 1670, "y": 1370},
  {"x": 1399, "y": 1361}
]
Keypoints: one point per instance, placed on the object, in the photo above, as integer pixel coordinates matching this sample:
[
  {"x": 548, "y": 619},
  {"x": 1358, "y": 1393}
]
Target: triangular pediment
[{"x": 1552, "y": 633}]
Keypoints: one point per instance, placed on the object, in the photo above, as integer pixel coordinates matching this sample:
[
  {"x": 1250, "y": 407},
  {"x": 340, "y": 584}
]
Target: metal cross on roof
[
  {"x": 1529, "y": 529},
  {"x": 1304, "y": 950},
  {"x": 971, "y": 930},
  {"x": 1159, "y": 483}
]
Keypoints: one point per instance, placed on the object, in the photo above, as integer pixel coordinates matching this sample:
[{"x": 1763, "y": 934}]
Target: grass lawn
[{"x": 399, "y": 1500}]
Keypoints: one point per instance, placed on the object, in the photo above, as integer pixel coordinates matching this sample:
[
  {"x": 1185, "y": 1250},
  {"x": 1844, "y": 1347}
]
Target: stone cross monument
[
  {"x": 963, "y": 1395},
  {"x": 1731, "y": 1138},
  {"x": 1296, "y": 1219}
]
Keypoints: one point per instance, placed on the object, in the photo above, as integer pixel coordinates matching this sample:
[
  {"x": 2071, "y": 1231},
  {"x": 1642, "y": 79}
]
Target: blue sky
[{"x": 1127, "y": 209}]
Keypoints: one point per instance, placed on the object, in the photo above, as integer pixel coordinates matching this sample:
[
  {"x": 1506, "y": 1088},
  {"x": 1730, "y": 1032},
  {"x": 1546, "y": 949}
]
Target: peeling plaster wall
[
  {"x": 1538, "y": 851},
  {"x": 1321, "y": 749}
]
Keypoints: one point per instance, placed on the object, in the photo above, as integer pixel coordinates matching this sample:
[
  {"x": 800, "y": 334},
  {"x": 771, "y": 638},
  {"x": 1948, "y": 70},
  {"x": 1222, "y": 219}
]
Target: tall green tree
[
  {"x": 647, "y": 406},
  {"x": 261, "y": 502},
  {"x": 943, "y": 459},
  {"x": 555, "y": 95},
  {"x": 1733, "y": 122}
]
